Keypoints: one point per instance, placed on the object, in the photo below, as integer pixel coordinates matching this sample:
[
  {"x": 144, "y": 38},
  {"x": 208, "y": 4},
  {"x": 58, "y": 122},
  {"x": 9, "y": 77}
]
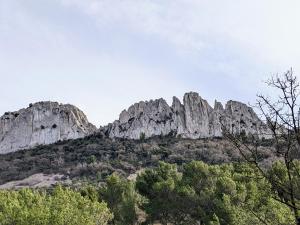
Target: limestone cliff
[
  {"x": 151, "y": 118},
  {"x": 42, "y": 123},
  {"x": 195, "y": 118},
  {"x": 48, "y": 122}
]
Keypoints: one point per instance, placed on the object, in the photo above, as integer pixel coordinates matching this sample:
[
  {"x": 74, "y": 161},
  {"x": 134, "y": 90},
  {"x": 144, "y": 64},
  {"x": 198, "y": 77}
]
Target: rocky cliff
[
  {"x": 42, "y": 123},
  {"x": 48, "y": 122},
  {"x": 194, "y": 118}
]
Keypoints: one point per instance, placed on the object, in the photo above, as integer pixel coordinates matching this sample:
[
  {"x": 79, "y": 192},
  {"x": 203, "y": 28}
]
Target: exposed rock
[
  {"x": 195, "y": 118},
  {"x": 39, "y": 180},
  {"x": 215, "y": 125},
  {"x": 178, "y": 116},
  {"x": 48, "y": 122},
  {"x": 243, "y": 119},
  {"x": 149, "y": 118},
  {"x": 42, "y": 123},
  {"x": 197, "y": 112}
]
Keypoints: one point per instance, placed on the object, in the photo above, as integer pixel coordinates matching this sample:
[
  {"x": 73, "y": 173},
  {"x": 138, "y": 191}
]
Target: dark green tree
[{"x": 121, "y": 198}]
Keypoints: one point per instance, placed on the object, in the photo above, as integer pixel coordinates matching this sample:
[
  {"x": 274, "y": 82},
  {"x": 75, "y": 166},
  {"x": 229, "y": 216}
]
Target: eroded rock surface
[
  {"x": 42, "y": 123},
  {"x": 194, "y": 118},
  {"x": 48, "y": 122},
  {"x": 150, "y": 118}
]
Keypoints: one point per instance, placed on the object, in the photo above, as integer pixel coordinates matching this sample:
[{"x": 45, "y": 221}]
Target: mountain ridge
[
  {"x": 48, "y": 122},
  {"x": 194, "y": 118}
]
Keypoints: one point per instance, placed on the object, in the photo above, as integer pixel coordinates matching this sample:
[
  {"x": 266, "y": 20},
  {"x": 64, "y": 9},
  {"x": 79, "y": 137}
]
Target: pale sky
[{"x": 104, "y": 55}]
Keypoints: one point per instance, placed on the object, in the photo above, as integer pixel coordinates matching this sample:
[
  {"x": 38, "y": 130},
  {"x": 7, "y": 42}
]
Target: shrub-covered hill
[{"x": 95, "y": 157}]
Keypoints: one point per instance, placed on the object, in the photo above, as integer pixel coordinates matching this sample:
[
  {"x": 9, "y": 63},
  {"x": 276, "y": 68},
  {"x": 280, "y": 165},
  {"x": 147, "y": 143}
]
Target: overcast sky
[{"x": 104, "y": 55}]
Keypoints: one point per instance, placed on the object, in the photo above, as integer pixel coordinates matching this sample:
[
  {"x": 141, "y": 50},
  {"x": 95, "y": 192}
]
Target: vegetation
[
  {"x": 186, "y": 182},
  {"x": 121, "y": 198},
  {"x": 142, "y": 136},
  {"x": 96, "y": 157},
  {"x": 61, "y": 206},
  {"x": 282, "y": 114},
  {"x": 227, "y": 194},
  {"x": 201, "y": 194}
]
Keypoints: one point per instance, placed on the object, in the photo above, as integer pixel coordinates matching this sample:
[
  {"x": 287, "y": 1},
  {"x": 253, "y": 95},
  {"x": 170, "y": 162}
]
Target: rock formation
[
  {"x": 150, "y": 118},
  {"x": 42, "y": 123},
  {"x": 195, "y": 118},
  {"x": 48, "y": 122}
]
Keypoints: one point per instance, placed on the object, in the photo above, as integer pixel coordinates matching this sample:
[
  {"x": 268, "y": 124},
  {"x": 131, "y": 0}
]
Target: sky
[{"x": 105, "y": 55}]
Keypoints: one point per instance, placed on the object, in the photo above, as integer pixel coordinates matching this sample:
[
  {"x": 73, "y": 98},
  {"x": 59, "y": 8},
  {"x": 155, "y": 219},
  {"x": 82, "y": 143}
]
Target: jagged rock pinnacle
[{"x": 195, "y": 118}]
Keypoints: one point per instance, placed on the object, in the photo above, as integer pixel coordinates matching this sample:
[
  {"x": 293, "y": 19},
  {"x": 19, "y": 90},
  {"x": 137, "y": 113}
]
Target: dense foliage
[
  {"x": 195, "y": 193},
  {"x": 228, "y": 194},
  {"x": 61, "y": 206}
]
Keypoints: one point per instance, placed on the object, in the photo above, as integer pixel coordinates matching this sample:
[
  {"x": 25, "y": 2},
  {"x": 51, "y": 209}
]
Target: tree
[
  {"x": 282, "y": 115},
  {"x": 62, "y": 206},
  {"x": 121, "y": 198},
  {"x": 159, "y": 187},
  {"x": 206, "y": 194}
]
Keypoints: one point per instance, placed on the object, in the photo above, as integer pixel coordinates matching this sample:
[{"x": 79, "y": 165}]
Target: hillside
[{"x": 96, "y": 156}]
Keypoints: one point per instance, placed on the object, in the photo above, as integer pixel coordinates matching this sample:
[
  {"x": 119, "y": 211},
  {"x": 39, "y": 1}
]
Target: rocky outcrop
[
  {"x": 242, "y": 119},
  {"x": 148, "y": 118},
  {"x": 42, "y": 123},
  {"x": 48, "y": 122},
  {"x": 195, "y": 118},
  {"x": 197, "y": 113},
  {"x": 215, "y": 124}
]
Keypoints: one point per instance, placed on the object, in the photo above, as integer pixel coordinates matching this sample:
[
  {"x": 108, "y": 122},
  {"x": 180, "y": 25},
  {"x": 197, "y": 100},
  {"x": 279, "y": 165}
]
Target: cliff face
[
  {"x": 48, "y": 122},
  {"x": 42, "y": 123},
  {"x": 195, "y": 118},
  {"x": 151, "y": 118}
]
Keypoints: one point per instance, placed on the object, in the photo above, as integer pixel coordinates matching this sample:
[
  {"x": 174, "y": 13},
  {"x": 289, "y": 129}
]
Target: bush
[{"x": 91, "y": 159}]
